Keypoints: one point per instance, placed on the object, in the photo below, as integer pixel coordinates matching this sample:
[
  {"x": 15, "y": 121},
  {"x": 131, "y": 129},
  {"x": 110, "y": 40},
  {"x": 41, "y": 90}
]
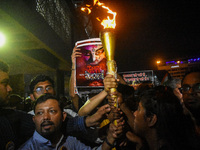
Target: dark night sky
[{"x": 148, "y": 30}]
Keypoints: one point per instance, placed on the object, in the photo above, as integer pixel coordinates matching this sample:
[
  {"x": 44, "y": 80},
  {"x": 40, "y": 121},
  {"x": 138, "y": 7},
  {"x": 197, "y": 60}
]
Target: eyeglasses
[
  {"x": 41, "y": 90},
  {"x": 195, "y": 88}
]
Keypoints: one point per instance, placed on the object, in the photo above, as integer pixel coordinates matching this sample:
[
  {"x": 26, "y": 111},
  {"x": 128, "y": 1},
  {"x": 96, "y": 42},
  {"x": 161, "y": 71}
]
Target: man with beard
[
  {"x": 191, "y": 95},
  {"x": 4, "y": 84},
  {"x": 48, "y": 119}
]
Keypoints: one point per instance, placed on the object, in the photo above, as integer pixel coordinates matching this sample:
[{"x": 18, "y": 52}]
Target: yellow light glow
[
  {"x": 178, "y": 62},
  {"x": 158, "y": 62},
  {"x": 2, "y": 39}
]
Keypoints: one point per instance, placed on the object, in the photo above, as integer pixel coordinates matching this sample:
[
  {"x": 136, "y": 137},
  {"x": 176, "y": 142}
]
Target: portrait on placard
[{"x": 91, "y": 66}]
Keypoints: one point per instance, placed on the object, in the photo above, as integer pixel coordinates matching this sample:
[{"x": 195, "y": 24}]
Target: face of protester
[
  {"x": 191, "y": 91},
  {"x": 5, "y": 88},
  {"x": 48, "y": 118},
  {"x": 42, "y": 88},
  {"x": 140, "y": 122}
]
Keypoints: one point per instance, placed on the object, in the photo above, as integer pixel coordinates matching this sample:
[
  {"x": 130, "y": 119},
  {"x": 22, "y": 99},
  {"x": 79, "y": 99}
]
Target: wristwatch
[{"x": 111, "y": 145}]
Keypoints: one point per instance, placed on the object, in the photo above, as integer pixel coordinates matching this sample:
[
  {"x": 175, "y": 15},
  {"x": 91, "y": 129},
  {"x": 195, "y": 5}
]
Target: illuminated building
[{"x": 178, "y": 68}]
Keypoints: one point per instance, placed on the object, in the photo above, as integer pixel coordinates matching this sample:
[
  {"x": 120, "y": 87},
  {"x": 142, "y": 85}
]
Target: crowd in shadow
[{"x": 164, "y": 117}]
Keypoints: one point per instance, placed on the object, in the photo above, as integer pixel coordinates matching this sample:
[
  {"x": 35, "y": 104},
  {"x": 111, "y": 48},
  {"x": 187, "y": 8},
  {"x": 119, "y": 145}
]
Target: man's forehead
[
  {"x": 192, "y": 78},
  {"x": 50, "y": 103},
  {"x": 43, "y": 83}
]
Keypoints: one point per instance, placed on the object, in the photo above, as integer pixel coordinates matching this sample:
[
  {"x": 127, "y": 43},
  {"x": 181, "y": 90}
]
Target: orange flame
[
  {"x": 106, "y": 23},
  {"x": 109, "y": 23}
]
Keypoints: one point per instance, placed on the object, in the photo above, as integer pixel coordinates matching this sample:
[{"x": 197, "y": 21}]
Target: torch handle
[
  {"x": 114, "y": 96},
  {"x": 115, "y": 100},
  {"x": 111, "y": 69}
]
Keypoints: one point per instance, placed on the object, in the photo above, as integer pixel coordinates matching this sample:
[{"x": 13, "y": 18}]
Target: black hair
[
  {"x": 143, "y": 87},
  {"x": 127, "y": 92},
  {"x": 172, "y": 124},
  {"x": 45, "y": 97},
  {"x": 4, "y": 66},
  {"x": 15, "y": 99},
  {"x": 39, "y": 78}
]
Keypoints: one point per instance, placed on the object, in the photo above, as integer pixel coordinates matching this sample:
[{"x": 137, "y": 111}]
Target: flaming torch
[{"x": 107, "y": 37}]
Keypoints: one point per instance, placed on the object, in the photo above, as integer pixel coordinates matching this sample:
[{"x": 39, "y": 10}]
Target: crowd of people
[{"x": 164, "y": 117}]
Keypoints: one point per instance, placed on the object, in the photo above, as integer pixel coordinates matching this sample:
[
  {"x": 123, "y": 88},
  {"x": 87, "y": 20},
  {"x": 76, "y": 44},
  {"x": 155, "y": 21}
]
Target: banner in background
[{"x": 135, "y": 78}]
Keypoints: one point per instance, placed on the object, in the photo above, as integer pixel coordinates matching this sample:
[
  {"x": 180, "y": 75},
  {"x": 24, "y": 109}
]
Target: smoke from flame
[{"x": 106, "y": 23}]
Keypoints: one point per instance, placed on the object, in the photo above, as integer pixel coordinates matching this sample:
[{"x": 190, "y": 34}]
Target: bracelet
[
  {"x": 73, "y": 69},
  {"x": 111, "y": 145}
]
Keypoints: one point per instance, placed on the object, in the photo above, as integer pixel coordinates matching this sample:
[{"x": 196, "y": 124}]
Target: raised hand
[{"x": 75, "y": 53}]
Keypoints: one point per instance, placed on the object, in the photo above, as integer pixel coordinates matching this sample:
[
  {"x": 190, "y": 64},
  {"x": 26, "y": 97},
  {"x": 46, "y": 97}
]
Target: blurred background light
[
  {"x": 2, "y": 39},
  {"x": 158, "y": 62}
]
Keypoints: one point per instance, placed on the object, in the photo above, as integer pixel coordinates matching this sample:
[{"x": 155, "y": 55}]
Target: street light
[
  {"x": 158, "y": 62},
  {"x": 2, "y": 39}
]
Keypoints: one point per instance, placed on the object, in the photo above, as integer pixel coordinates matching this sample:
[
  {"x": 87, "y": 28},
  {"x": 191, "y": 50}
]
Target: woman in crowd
[{"x": 161, "y": 122}]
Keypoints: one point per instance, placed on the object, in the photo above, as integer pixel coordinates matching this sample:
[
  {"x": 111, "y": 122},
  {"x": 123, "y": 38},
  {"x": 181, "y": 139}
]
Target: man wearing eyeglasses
[
  {"x": 191, "y": 94},
  {"x": 41, "y": 84}
]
